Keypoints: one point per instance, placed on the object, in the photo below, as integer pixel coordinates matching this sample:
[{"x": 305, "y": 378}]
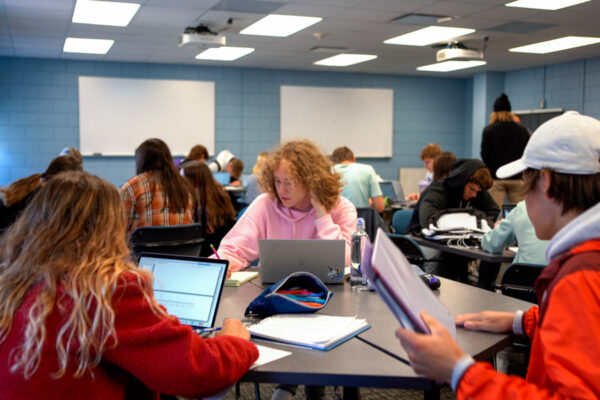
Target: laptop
[
  {"x": 222, "y": 177},
  {"x": 393, "y": 190},
  {"x": 188, "y": 287},
  {"x": 323, "y": 258}
]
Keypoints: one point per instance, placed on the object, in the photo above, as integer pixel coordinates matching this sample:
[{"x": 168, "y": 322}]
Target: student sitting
[
  {"x": 465, "y": 187},
  {"x": 197, "y": 153},
  {"x": 213, "y": 205},
  {"x": 428, "y": 155},
  {"x": 80, "y": 321},
  {"x": 226, "y": 161},
  {"x": 360, "y": 180},
  {"x": 20, "y": 193},
  {"x": 158, "y": 195},
  {"x": 561, "y": 170},
  {"x": 442, "y": 165},
  {"x": 254, "y": 188},
  {"x": 516, "y": 228},
  {"x": 301, "y": 201}
]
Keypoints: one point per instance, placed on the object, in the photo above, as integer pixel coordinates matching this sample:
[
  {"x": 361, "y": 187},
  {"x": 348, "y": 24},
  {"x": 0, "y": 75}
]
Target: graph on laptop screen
[{"x": 188, "y": 289}]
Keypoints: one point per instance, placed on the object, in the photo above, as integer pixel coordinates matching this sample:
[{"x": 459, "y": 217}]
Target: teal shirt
[
  {"x": 517, "y": 227},
  {"x": 360, "y": 183}
]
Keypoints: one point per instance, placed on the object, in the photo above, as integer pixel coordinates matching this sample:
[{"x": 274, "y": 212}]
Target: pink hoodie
[{"x": 267, "y": 218}]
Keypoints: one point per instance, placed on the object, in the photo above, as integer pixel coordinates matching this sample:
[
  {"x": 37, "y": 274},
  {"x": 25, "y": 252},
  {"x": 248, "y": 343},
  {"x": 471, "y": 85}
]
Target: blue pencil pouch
[{"x": 300, "y": 292}]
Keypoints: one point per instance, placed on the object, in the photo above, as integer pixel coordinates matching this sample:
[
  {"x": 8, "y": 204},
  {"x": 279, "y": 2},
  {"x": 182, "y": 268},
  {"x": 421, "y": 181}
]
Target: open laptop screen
[
  {"x": 387, "y": 190},
  {"x": 188, "y": 287},
  {"x": 222, "y": 177}
]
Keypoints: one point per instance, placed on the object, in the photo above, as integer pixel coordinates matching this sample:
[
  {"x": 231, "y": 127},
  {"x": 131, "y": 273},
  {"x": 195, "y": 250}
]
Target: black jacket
[
  {"x": 448, "y": 193},
  {"x": 503, "y": 142}
]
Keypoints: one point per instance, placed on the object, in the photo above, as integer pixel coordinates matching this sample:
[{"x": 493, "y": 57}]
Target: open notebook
[{"x": 188, "y": 287}]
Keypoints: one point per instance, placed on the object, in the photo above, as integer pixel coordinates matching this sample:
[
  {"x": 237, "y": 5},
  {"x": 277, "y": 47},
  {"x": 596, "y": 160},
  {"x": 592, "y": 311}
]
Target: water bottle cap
[{"x": 360, "y": 223}]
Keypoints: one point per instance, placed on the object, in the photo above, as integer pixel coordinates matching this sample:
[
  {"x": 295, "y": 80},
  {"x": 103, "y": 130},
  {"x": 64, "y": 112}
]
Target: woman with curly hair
[
  {"x": 79, "y": 320},
  {"x": 301, "y": 200},
  {"x": 214, "y": 209}
]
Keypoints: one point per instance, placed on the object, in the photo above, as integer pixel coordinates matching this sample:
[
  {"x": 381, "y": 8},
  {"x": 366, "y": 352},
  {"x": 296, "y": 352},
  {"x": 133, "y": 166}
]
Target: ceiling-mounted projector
[
  {"x": 201, "y": 35},
  {"x": 458, "y": 55}
]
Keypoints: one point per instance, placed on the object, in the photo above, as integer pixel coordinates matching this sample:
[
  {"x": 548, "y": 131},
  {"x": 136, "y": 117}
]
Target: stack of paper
[
  {"x": 316, "y": 331},
  {"x": 240, "y": 277}
]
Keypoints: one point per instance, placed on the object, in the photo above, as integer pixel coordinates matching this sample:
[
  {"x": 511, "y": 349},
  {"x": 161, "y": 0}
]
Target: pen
[
  {"x": 214, "y": 251},
  {"x": 204, "y": 330}
]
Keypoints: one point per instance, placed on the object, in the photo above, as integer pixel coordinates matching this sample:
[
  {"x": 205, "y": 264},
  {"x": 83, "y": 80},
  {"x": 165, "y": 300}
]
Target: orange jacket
[{"x": 565, "y": 333}]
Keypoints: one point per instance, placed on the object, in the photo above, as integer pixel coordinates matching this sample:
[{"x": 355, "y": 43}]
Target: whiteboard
[
  {"x": 117, "y": 114},
  {"x": 361, "y": 119}
]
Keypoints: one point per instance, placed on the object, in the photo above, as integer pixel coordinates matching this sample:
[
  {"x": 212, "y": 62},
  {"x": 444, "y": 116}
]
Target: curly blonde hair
[
  {"x": 310, "y": 168},
  {"x": 77, "y": 255}
]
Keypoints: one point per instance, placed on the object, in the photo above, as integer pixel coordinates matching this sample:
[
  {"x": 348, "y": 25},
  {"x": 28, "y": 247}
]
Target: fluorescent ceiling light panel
[
  {"x": 429, "y": 35},
  {"x": 450, "y": 66},
  {"x": 87, "y": 46},
  {"x": 224, "y": 53},
  {"x": 104, "y": 12},
  {"x": 344, "y": 60},
  {"x": 545, "y": 4},
  {"x": 550, "y": 46},
  {"x": 279, "y": 25}
]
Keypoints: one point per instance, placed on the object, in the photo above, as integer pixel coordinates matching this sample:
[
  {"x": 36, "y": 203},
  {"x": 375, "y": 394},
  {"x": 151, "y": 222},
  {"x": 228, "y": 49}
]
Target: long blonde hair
[
  {"x": 69, "y": 241},
  {"x": 310, "y": 168}
]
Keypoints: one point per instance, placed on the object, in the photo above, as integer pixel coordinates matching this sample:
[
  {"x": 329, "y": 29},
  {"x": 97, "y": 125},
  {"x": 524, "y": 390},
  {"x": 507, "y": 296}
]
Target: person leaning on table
[{"x": 561, "y": 170}]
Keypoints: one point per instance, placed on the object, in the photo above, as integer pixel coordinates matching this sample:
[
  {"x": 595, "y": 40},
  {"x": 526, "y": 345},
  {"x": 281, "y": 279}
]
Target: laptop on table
[
  {"x": 393, "y": 190},
  {"x": 323, "y": 258},
  {"x": 188, "y": 287}
]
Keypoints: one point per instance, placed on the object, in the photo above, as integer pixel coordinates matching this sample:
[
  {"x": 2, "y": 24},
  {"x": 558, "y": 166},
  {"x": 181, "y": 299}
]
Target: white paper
[
  {"x": 395, "y": 270},
  {"x": 268, "y": 354}
]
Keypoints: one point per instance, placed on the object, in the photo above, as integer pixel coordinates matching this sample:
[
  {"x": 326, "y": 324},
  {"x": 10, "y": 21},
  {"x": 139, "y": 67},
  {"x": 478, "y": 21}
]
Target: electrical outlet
[{"x": 542, "y": 103}]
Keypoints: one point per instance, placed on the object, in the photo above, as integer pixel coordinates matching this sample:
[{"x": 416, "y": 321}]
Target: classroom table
[
  {"x": 506, "y": 256},
  {"x": 374, "y": 358}
]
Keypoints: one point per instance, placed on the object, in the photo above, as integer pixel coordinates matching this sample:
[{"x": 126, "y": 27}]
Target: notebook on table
[
  {"x": 323, "y": 258},
  {"x": 188, "y": 287}
]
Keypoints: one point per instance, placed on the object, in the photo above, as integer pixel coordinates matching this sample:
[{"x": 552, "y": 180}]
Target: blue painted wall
[
  {"x": 573, "y": 85},
  {"x": 39, "y": 111}
]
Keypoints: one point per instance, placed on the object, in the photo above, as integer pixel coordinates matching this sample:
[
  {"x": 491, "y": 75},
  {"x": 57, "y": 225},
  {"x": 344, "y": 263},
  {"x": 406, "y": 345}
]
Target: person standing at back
[
  {"x": 157, "y": 195},
  {"x": 503, "y": 141},
  {"x": 360, "y": 180}
]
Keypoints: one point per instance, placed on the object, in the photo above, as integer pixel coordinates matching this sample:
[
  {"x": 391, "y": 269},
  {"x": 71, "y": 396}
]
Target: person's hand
[
  {"x": 320, "y": 209},
  {"x": 228, "y": 272},
  {"x": 235, "y": 328},
  {"x": 413, "y": 196},
  {"x": 489, "y": 321},
  {"x": 434, "y": 355},
  {"x": 497, "y": 222}
]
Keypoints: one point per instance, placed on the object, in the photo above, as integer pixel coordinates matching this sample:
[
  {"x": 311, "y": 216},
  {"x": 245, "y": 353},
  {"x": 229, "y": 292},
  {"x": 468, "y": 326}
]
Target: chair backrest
[
  {"x": 372, "y": 221},
  {"x": 518, "y": 281},
  {"x": 400, "y": 220},
  {"x": 176, "y": 239},
  {"x": 409, "y": 247}
]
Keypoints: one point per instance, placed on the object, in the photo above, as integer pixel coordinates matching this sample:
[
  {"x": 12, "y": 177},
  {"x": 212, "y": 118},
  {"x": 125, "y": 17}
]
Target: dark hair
[
  {"x": 482, "y": 177},
  {"x": 342, "y": 154},
  {"x": 17, "y": 190},
  {"x": 442, "y": 164},
  {"x": 154, "y": 156},
  {"x": 211, "y": 199},
  {"x": 236, "y": 167},
  {"x": 432, "y": 150},
  {"x": 198, "y": 152},
  {"x": 573, "y": 192}
]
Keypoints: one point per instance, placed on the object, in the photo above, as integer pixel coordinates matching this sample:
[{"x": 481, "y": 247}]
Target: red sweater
[
  {"x": 153, "y": 355},
  {"x": 565, "y": 332}
]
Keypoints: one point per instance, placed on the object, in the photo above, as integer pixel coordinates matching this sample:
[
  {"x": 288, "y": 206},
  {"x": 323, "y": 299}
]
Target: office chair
[
  {"x": 400, "y": 220},
  {"x": 176, "y": 239},
  {"x": 518, "y": 281},
  {"x": 410, "y": 248},
  {"x": 372, "y": 221}
]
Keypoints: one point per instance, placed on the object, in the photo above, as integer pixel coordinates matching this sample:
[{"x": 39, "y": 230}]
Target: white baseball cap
[{"x": 569, "y": 143}]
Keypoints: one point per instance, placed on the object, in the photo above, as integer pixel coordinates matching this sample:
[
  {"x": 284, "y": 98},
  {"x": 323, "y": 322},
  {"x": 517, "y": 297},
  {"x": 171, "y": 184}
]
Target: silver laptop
[
  {"x": 393, "y": 190},
  {"x": 188, "y": 287},
  {"x": 322, "y": 258}
]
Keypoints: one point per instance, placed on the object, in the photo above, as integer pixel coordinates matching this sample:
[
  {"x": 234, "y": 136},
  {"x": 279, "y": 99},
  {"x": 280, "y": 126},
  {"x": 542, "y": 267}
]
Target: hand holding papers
[
  {"x": 401, "y": 288},
  {"x": 317, "y": 331}
]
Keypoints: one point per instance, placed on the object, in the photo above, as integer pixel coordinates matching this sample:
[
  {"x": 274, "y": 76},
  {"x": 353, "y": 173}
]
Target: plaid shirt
[{"x": 146, "y": 208}]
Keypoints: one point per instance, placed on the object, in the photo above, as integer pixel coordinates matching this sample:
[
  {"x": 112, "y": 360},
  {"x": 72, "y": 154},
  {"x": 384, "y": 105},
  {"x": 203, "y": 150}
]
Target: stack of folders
[
  {"x": 317, "y": 331},
  {"x": 238, "y": 278},
  {"x": 400, "y": 287}
]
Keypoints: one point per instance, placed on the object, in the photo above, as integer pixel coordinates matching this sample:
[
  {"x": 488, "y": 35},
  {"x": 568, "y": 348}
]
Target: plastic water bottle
[{"x": 357, "y": 280}]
